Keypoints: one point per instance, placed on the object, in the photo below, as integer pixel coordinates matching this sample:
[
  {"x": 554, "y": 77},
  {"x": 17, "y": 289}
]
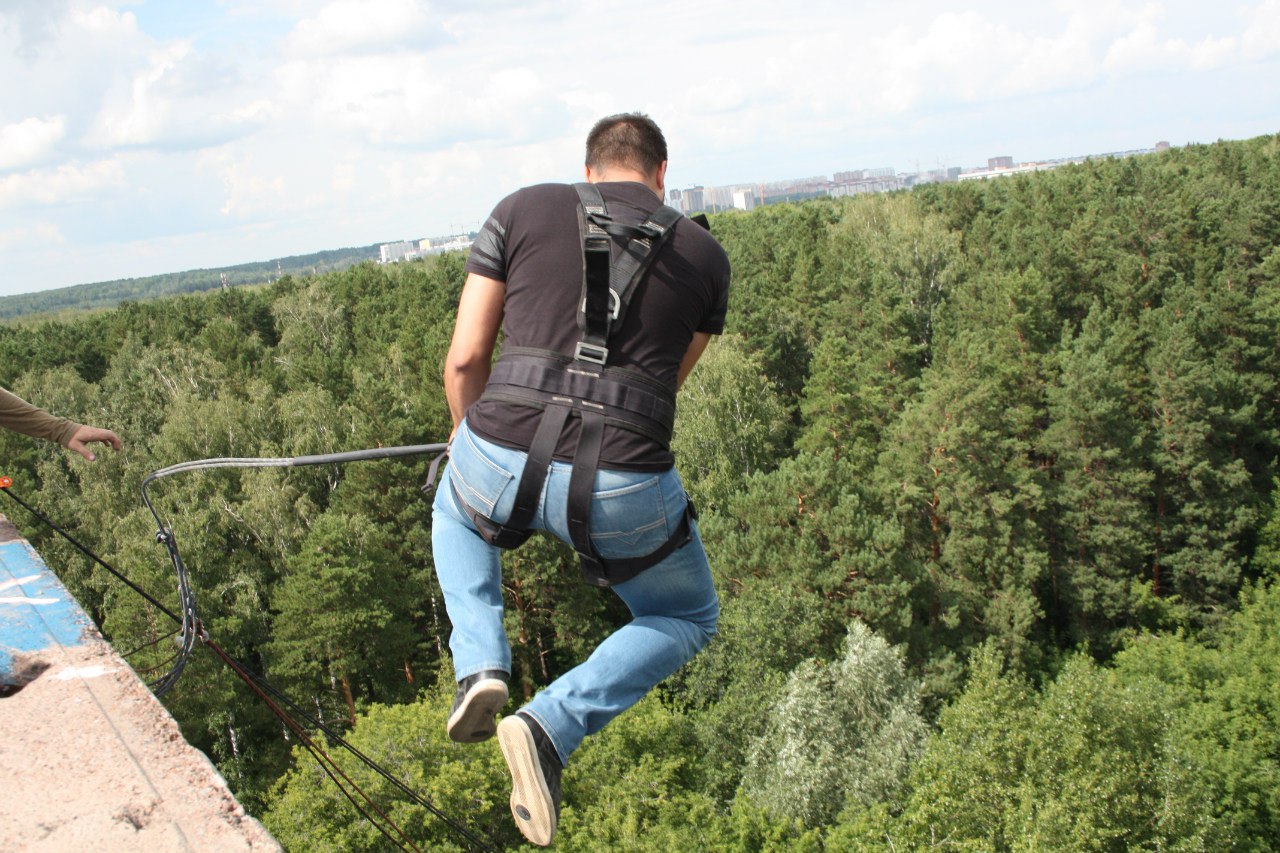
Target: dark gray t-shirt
[{"x": 532, "y": 243}]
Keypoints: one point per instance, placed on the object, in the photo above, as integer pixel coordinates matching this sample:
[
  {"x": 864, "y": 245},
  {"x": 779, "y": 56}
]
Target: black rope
[
  {"x": 162, "y": 684},
  {"x": 260, "y": 684},
  {"x": 8, "y": 490},
  {"x": 263, "y": 687},
  {"x": 147, "y": 670},
  {"x": 326, "y": 762},
  {"x": 334, "y": 737},
  {"x": 155, "y": 642},
  {"x": 191, "y": 628}
]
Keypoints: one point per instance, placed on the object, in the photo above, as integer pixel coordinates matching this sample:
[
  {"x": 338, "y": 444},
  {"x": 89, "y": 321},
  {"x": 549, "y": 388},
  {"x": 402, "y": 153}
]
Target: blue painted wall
[{"x": 36, "y": 611}]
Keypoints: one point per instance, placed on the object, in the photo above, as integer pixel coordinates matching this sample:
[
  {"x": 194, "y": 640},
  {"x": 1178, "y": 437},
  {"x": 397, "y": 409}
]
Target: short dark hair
[{"x": 632, "y": 140}]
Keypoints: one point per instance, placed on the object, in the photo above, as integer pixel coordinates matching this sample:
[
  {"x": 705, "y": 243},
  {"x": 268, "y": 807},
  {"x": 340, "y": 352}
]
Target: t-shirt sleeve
[
  {"x": 488, "y": 256},
  {"x": 20, "y": 416},
  {"x": 713, "y": 322}
]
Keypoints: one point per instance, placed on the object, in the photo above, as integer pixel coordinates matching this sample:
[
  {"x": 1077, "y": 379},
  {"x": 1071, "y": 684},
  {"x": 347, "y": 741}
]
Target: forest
[
  {"x": 986, "y": 471},
  {"x": 108, "y": 294}
]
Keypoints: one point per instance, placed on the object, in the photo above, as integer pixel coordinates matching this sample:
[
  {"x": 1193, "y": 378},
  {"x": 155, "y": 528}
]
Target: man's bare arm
[
  {"x": 466, "y": 367},
  {"x": 691, "y": 356}
]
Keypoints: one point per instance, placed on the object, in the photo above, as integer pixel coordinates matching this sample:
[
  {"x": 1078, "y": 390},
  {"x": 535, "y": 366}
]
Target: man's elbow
[{"x": 466, "y": 365}]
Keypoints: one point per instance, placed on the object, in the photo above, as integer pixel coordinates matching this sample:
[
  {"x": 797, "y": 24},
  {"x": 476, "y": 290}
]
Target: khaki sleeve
[{"x": 20, "y": 416}]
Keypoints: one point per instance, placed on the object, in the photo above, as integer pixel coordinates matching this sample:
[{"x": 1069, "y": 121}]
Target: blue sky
[{"x": 147, "y": 137}]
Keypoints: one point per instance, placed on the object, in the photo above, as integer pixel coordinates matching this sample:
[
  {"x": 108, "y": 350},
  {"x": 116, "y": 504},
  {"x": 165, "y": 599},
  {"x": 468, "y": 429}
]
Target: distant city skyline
[{"x": 140, "y": 137}]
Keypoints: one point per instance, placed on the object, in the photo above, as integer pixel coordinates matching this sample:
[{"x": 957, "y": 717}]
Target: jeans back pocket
[
  {"x": 629, "y": 520},
  {"x": 481, "y": 482}
]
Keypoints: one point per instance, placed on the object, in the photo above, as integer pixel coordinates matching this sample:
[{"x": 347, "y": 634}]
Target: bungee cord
[{"x": 192, "y": 628}]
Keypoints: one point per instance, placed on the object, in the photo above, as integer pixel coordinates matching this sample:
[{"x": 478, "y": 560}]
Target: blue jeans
[{"x": 673, "y": 604}]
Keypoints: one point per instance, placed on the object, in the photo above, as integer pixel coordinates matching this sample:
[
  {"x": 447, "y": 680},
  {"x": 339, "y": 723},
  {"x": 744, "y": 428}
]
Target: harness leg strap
[
  {"x": 595, "y": 569},
  {"x": 538, "y": 460},
  {"x": 581, "y": 486}
]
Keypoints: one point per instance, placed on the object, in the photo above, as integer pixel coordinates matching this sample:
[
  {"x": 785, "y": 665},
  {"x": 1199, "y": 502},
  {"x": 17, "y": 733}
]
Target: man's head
[{"x": 627, "y": 145}]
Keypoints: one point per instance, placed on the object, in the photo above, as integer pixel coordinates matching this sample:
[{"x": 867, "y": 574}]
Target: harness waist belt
[{"x": 625, "y": 398}]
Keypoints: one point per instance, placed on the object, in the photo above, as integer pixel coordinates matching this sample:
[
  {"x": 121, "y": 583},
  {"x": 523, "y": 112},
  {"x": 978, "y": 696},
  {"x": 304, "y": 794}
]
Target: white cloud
[
  {"x": 55, "y": 186},
  {"x": 41, "y": 233},
  {"x": 970, "y": 57},
  {"x": 1212, "y": 52},
  {"x": 315, "y": 119},
  {"x": 118, "y": 86},
  {"x": 364, "y": 26},
  {"x": 382, "y": 99},
  {"x": 104, "y": 22},
  {"x": 417, "y": 100},
  {"x": 31, "y": 24},
  {"x": 251, "y": 185},
  {"x": 64, "y": 68},
  {"x": 140, "y": 115},
  {"x": 1261, "y": 36},
  {"x": 345, "y": 177},
  {"x": 30, "y": 140},
  {"x": 716, "y": 94},
  {"x": 1151, "y": 46},
  {"x": 931, "y": 57}
]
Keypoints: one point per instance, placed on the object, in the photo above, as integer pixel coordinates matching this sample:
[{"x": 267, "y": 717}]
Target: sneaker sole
[
  {"x": 531, "y": 803},
  {"x": 474, "y": 720}
]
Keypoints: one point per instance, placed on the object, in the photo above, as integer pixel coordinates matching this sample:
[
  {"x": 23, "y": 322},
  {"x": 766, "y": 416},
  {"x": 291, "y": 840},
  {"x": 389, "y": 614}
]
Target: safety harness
[{"x": 585, "y": 386}]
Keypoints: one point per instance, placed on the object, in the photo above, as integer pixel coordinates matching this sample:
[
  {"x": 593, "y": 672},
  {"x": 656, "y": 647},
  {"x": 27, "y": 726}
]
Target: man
[
  {"x": 585, "y": 386},
  {"x": 20, "y": 416}
]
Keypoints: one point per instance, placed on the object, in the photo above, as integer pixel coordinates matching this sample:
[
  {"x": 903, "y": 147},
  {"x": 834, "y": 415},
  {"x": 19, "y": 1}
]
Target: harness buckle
[
  {"x": 591, "y": 352},
  {"x": 615, "y": 304}
]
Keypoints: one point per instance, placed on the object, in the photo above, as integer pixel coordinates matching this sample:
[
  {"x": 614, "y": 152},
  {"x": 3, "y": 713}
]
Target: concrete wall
[{"x": 89, "y": 758}]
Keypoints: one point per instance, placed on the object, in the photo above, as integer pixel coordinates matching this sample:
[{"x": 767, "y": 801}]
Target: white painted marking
[
  {"x": 18, "y": 582},
  {"x": 22, "y": 599}
]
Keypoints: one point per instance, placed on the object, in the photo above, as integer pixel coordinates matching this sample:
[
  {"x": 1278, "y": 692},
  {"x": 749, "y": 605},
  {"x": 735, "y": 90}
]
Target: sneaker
[
  {"x": 475, "y": 706},
  {"x": 535, "y": 776}
]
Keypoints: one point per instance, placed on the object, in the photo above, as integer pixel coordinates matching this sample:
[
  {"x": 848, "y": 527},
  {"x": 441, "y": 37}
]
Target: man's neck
[{"x": 613, "y": 174}]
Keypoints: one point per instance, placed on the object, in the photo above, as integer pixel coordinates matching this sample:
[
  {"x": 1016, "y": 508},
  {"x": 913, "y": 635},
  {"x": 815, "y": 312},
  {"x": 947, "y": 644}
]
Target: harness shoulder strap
[
  {"x": 597, "y": 302},
  {"x": 610, "y": 276},
  {"x": 637, "y": 256}
]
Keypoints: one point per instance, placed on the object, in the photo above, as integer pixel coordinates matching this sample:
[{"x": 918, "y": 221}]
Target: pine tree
[
  {"x": 1099, "y": 441},
  {"x": 891, "y": 268},
  {"x": 339, "y": 626}
]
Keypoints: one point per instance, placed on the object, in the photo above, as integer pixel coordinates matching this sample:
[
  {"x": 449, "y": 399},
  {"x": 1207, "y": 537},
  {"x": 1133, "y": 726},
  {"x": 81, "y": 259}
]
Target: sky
[{"x": 154, "y": 136}]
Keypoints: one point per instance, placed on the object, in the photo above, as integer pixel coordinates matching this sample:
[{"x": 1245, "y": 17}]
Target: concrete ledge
[{"x": 89, "y": 757}]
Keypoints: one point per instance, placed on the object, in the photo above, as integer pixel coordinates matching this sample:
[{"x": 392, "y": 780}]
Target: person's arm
[
  {"x": 86, "y": 434},
  {"x": 20, "y": 416},
  {"x": 691, "y": 356},
  {"x": 467, "y": 366}
]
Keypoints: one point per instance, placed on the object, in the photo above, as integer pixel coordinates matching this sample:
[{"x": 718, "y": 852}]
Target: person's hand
[{"x": 86, "y": 434}]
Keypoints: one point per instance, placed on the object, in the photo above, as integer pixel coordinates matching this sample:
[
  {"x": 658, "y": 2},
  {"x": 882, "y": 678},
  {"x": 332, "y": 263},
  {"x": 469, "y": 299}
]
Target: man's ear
[{"x": 662, "y": 179}]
